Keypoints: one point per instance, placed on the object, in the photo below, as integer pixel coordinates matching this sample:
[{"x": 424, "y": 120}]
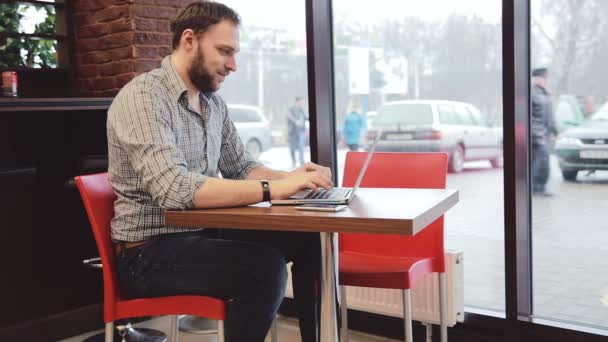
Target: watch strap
[{"x": 266, "y": 191}]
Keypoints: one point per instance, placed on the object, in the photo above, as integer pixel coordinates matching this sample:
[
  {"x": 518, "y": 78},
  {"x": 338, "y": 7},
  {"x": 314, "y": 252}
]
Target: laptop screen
[{"x": 367, "y": 160}]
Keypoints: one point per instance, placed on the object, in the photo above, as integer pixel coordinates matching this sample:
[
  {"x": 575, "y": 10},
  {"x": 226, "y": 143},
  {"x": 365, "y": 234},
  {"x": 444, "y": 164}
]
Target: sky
[{"x": 290, "y": 14}]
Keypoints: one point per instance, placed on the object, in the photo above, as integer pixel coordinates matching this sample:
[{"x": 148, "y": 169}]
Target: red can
[{"x": 9, "y": 83}]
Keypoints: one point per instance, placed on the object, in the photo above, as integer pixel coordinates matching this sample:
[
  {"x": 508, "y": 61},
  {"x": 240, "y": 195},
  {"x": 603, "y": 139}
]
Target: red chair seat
[
  {"x": 200, "y": 306},
  {"x": 368, "y": 270}
]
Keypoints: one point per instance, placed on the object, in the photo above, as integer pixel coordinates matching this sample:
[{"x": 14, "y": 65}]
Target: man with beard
[{"x": 169, "y": 134}]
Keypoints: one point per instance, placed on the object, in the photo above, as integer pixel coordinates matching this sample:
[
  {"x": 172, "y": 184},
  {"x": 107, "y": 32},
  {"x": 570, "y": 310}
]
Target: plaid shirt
[{"x": 161, "y": 151}]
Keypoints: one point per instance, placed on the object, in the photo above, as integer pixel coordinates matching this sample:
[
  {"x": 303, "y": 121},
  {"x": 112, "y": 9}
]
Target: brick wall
[{"x": 115, "y": 40}]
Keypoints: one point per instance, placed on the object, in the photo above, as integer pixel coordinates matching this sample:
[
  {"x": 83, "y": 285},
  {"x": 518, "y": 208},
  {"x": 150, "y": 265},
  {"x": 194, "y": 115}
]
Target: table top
[
  {"x": 379, "y": 211},
  {"x": 373, "y": 210}
]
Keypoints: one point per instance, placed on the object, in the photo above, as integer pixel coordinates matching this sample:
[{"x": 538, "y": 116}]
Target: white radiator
[{"x": 425, "y": 295}]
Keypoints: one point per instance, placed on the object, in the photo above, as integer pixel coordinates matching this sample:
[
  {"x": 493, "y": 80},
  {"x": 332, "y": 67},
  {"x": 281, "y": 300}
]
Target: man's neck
[{"x": 182, "y": 70}]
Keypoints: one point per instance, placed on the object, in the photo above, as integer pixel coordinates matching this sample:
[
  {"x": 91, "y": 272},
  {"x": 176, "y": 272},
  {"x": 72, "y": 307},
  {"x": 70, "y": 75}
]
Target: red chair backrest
[
  {"x": 98, "y": 197},
  {"x": 398, "y": 170}
]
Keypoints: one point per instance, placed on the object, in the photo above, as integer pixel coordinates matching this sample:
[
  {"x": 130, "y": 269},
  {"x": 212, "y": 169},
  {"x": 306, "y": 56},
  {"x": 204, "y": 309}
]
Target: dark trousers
[
  {"x": 540, "y": 167},
  {"x": 296, "y": 145},
  {"x": 244, "y": 267}
]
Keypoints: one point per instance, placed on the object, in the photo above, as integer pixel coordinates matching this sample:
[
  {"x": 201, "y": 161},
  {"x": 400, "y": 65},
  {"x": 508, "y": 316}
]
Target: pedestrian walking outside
[
  {"x": 354, "y": 124},
  {"x": 296, "y": 128},
  {"x": 542, "y": 129}
]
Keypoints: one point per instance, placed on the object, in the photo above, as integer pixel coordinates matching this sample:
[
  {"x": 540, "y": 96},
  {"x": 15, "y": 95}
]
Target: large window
[
  {"x": 271, "y": 74},
  {"x": 405, "y": 67},
  {"x": 33, "y": 34},
  {"x": 570, "y": 168}
]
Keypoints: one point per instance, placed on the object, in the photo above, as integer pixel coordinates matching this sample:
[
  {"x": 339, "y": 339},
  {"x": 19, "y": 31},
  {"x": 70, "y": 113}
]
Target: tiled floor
[{"x": 288, "y": 332}]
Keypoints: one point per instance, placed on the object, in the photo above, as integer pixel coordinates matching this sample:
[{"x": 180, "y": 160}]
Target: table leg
[{"x": 328, "y": 281}]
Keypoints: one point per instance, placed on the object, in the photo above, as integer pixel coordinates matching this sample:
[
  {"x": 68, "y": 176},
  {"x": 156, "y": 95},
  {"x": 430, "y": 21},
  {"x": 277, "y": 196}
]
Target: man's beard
[{"x": 199, "y": 76}]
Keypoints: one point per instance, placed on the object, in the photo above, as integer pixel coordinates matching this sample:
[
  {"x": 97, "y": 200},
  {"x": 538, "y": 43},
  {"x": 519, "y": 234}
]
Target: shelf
[{"x": 54, "y": 104}]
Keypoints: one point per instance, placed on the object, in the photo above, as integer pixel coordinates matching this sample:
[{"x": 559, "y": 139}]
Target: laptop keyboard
[{"x": 331, "y": 194}]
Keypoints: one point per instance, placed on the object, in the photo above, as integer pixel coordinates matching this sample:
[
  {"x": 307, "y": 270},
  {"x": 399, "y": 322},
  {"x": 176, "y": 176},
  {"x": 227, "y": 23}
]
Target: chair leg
[
  {"x": 220, "y": 331},
  {"x": 109, "y": 337},
  {"x": 274, "y": 331},
  {"x": 443, "y": 306},
  {"x": 407, "y": 314},
  {"x": 429, "y": 332},
  {"x": 343, "y": 314},
  {"x": 174, "y": 333}
]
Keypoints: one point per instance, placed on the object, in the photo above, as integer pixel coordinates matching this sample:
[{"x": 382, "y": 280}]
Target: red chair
[
  {"x": 98, "y": 197},
  {"x": 395, "y": 261}
]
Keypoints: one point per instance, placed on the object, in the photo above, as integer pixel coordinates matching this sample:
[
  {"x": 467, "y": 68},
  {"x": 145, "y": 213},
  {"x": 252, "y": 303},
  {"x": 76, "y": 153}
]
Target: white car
[
  {"x": 253, "y": 128},
  {"x": 457, "y": 128}
]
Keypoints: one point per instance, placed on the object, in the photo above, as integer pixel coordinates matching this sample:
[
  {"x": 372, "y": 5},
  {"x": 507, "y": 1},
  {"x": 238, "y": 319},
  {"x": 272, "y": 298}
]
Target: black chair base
[
  {"x": 197, "y": 325},
  {"x": 132, "y": 335}
]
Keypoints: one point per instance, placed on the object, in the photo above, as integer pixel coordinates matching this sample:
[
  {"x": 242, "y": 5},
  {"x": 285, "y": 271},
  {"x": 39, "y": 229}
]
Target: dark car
[
  {"x": 584, "y": 147},
  {"x": 568, "y": 112}
]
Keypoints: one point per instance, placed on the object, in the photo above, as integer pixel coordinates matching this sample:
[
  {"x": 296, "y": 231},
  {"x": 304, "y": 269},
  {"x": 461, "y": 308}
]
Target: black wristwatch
[{"x": 266, "y": 191}]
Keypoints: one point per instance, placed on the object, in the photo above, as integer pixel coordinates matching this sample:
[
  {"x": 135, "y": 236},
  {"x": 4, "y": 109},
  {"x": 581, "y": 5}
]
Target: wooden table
[{"x": 378, "y": 211}]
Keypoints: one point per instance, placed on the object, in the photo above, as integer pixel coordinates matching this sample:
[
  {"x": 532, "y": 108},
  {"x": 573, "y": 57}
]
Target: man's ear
[{"x": 187, "y": 39}]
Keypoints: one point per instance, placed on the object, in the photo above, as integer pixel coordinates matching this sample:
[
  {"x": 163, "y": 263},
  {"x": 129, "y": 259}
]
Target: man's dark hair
[{"x": 199, "y": 16}]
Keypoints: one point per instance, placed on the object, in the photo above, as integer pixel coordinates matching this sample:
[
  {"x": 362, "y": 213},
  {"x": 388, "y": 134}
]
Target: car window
[
  {"x": 602, "y": 113},
  {"x": 447, "y": 115},
  {"x": 405, "y": 113},
  {"x": 476, "y": 115},
  {"x": 465, "y": 116},
  {"x": 565, "y": 112},
  {"x": 244, "y": 115}
]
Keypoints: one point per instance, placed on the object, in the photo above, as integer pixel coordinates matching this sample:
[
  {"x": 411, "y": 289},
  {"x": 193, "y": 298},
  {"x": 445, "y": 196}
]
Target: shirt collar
[{"x": 177, "y": 85}]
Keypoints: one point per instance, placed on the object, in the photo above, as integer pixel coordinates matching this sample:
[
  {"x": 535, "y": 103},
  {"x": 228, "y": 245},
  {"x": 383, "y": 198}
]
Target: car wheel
[
  {"x": 570, "y": 175},
  {"x": 456, "y": 160},
  {"x": 254, "y": 148},
  {"x": 497, "y": 162}
]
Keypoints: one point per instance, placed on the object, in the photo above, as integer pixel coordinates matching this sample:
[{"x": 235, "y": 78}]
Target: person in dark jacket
[
  {"x": 542, "y": 127},
  {"x": 296, "y": 128}
]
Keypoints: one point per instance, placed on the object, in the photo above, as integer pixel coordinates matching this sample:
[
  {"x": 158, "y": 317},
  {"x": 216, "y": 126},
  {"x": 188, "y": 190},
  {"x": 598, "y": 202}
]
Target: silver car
[
  {"x": 253, "y": 128},
  {"x": 457, "y": 128}
]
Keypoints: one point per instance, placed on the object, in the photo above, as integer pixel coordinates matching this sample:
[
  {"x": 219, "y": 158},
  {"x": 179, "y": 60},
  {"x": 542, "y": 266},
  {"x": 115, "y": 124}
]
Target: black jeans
[
  {"x": 244, "y": 267},
  {"x": 540, "y": 166}
]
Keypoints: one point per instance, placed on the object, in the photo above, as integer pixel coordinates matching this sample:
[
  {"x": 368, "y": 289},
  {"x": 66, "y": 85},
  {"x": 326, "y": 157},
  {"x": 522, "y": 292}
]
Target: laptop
[{"x": 335, "y": 195}]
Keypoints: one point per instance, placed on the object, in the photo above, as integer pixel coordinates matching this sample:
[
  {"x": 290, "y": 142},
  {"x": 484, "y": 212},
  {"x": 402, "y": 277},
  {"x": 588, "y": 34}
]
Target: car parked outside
[
  {"x": 568, "y": 112},
  {"x": 253, "y": 128},
  {"x": 369, "y": 118},
  {"x": 584, "y": 147},
  {"x": 457, "y": 128}
]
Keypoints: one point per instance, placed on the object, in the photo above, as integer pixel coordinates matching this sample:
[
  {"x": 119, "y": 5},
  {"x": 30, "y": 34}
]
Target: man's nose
[{"x": 231, "y": 64}]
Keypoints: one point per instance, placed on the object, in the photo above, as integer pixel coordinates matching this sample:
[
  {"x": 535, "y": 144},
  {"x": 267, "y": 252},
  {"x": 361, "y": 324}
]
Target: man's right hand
[{"x": 297, "y": 181}]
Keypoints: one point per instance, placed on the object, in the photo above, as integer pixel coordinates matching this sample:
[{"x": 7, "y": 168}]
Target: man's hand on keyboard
[{"x": 300, "y": 180}]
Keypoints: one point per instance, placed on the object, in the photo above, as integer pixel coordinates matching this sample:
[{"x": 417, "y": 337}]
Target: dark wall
[{"x": 45, "y": 231}]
